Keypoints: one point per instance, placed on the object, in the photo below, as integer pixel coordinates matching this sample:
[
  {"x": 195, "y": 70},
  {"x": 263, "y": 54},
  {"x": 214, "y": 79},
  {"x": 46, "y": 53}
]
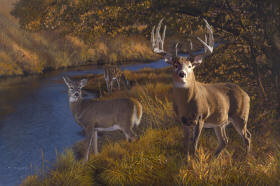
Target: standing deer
[
  {"x": 112, "y": 74},
  {"x": 109, "y": 115},
  {"x": 198, "y": 105}
]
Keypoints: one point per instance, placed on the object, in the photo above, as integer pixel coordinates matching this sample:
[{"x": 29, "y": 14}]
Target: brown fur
[
  {"x": 214, "y": 105},
  {"x": 114, "y": 73},
  {"x": 91, "y": 113},
  {"x": 199, "y": 105},
  {"x": 107, "y": 115}
]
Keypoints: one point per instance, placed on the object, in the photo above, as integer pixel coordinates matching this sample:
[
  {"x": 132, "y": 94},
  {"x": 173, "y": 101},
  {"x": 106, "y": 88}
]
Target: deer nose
[
  {"x": 182, "y": 74},
  {"x": 76, "y": 94}
]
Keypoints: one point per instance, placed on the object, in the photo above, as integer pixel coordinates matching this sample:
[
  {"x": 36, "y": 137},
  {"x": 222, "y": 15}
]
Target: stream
[{"x": 36, "y": 122}]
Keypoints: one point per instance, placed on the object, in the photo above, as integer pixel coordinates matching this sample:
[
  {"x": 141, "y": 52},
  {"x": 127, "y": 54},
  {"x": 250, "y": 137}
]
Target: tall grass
[
  {"x": 34, "y": 53},
  {"x": 158, "y": 157},
  {"x": 25, "y": 53}
]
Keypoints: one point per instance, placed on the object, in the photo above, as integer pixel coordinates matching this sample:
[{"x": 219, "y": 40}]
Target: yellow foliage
[{"x": 27, "y": 53}]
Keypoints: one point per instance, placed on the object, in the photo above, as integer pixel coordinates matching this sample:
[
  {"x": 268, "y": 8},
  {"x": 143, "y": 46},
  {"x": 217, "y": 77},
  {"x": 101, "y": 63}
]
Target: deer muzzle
[{"x": 181, "y": 74}]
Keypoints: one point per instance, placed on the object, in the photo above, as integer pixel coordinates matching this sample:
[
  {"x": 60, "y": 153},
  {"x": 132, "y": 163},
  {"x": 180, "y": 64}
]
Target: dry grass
[
  {"x": 24, "y": 53},
  {"x": 122, "y": 50},
  {"x": 158, "y": 157}
]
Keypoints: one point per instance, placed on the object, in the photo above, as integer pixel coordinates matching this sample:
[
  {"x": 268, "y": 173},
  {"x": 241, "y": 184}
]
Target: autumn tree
[{"x": 249, "y": 28}]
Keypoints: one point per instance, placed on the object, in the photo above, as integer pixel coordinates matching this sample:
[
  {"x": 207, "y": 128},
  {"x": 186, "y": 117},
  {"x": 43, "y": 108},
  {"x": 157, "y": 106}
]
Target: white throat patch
[
  {"x": 73, "y": 99},
  {"x": 181, "y": 85}
]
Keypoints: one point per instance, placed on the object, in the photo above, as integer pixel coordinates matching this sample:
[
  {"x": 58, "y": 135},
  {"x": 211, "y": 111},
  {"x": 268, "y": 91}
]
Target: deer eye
[{"x": 190, "y": 66}]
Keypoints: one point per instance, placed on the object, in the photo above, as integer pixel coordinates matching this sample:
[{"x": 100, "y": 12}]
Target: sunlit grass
[
  {"x": 24, "y": 53},
  {"x": 158, "y": 157}
]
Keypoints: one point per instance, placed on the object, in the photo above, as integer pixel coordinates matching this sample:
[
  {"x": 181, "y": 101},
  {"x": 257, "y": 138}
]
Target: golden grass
[
  {"x": 33, "y": 53},
  {"x": 158, "y": 157},
  {"x": 24, "y": 53}
]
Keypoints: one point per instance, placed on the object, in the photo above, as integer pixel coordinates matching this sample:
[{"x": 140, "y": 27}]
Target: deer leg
[
  {"x": 118, "y": 82},
  {"x": 89, "y": 145},
  {"x": 196, "y": 134},
  {"x": 186, "y": 139},
  {"x": 129, "y": 134},
  {"x": 224, "y": 133},
  {"x": 221, "y": 139},
  {"x": 125, "y": 82},
  {"x": 107, "y": 85},
  {"x": 95, "y": 141},
  {"x": 240, "y": 126},
  {"x": 111, "y": 86},
  {"x": 134, "y": 136}
]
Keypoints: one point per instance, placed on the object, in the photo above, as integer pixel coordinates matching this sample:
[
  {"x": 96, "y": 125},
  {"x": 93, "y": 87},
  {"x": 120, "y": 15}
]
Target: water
[{"x": 35, "y": 119}]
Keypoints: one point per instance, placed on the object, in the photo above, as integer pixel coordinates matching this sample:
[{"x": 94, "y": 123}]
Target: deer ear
[
  {"x": 67, "y": 80},
  {"x": 197, "y": 60},
  {"x": 168, "y": 59},
  {"x": 83, "y": 83}
]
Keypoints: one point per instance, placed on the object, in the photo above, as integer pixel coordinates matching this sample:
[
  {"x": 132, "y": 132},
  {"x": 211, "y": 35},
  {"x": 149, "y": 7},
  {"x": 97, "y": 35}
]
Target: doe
[{"x": 108, "y": 115}]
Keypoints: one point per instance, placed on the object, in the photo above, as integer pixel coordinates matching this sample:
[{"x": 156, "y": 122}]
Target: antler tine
[
  {"x": 210, "y": 33},
  {"x": 153, "y": 37},
  {"x": 163, "y": 37},
  {"x": 176, "y": 49},
  {"x": 191, "y": 45},
  {"x": 158, "y": 30},
  {"x": 191, "y": 48},
  {"x": 210, "y": 46},
  {"x": 157, "y": 39},
  {"x": 205, "y": 48},
  {"x": 207, "y": 25}
]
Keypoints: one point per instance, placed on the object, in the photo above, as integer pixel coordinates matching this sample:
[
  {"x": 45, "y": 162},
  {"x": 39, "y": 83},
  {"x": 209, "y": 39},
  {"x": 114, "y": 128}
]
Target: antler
[
  {"x": 191, "y": 49},
  {"x": 158, "y": 40},
  {"x": 176, "y": 49},
  {"x": 158, "y": 43},
  {"x": 208, "y": 46}
]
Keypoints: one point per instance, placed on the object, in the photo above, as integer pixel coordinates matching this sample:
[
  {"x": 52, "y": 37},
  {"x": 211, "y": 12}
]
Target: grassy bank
[
  {"x": 23, "y": 53},
  {"x": 158, "y": 157}
]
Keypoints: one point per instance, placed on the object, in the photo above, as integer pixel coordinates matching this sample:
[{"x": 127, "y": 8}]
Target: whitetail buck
[
  {"x": 108, "y": 115},
  {"x": 112, "y": 74},
  {"x": 199, "y": 105}
]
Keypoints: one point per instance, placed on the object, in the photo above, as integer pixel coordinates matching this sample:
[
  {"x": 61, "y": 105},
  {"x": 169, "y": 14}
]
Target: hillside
[{"x": 23, "y": 53}]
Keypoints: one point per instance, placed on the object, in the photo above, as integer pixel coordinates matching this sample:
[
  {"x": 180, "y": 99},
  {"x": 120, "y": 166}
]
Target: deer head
[
  {"x": 183, "y": 67},
  {"x": 74, "y": 88}
]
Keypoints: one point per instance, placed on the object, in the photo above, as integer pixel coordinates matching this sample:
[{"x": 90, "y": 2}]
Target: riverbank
[
  {"x": 33, "y": 54},
  {"x": 158, "y": 157},
  {"x": 24, "y": 53}
]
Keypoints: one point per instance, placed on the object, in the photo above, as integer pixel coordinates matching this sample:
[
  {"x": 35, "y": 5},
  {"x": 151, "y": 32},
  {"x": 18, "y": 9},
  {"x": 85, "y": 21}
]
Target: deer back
[{"x": 104, "y": 113}]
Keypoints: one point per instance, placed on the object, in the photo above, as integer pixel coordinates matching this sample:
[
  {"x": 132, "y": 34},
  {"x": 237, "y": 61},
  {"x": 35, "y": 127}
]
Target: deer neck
[
  {"x": 186, "y": 90},
  {"x": 76, "y": 106}
]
